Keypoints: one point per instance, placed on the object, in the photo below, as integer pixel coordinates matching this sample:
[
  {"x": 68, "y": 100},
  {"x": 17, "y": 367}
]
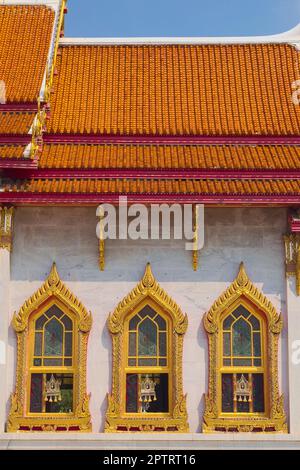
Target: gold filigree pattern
[
  {"x": 242, "y": 288},
  {"x": 6, "y": 227},
  {"x": 52, "y": 289},
  {"x": 147, "y": 289}
]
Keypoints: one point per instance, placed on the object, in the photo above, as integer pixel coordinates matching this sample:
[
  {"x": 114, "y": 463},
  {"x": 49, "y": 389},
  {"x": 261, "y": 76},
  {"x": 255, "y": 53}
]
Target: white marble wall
[{"x": 67, "y": 236}]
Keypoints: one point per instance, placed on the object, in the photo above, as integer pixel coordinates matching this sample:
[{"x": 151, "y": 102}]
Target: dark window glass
[
  {"x": 161, "y": 322},
  {"x": 134, "y": 322},
  {"x": 258, "y": 393},
  {"x": 257, "y": 345},
  {"x": 227, "y": 362},
  {"x": 148, "y": 361},
  {"x": 68, "y": 362},
  {"x": 241, "y": 311},
  {"x": 242, "y": 362},
  {"x": 36, "y": 393},
  {"x": 131, "y": 393},
  {"x": 162, "y": 344},
  {"x": 241, "y": 338},
  {"x": 132, "y": 362},
  {"x": 147, "y": 338},
  {"x": 160, "y": 405},
  {"x": 68, "y": 344},
  {"x": 37, "y": 362},
  {"x": 257, "y": 362},
  {"x": 53, "y": 362},
  {"x": 226, "y": 344},
  {"x": 67, "y": 323},
  {"x": 228, "y": 322},
  {"x": 54, "y": 311},
  {"x": 132, "y": 344},
  {"x": 227, "y": 393},
  {"x": 147, "y": 312},
  {"x": 254, "y": 322},
  {"x": 53, "y": 338},
  {"x": 163, "y": 362},
  {"x": 40, "y": 322},
  {"x": 38, "y": 344}
]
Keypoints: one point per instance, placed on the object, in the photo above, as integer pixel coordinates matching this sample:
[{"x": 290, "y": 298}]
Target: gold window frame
[
  {"x": 243, "y": 292},
  {"x": 52, "y": 292},
  {"x": 147, "y": 292}
]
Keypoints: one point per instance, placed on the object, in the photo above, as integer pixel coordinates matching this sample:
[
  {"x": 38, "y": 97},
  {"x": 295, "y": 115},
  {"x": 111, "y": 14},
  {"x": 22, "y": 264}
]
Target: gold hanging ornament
[
  {"x": 243, "y": 392},
  {"x": 147, "y": 392},
  {"x": 53, "y": 392}
]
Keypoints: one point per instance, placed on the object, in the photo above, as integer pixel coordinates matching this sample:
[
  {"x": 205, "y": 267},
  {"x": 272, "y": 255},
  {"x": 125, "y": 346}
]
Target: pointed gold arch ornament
[
  {"x": 147, "y": 289},
  {"x": 52, "y": 290},
  {"x": 275, "y": 420}
]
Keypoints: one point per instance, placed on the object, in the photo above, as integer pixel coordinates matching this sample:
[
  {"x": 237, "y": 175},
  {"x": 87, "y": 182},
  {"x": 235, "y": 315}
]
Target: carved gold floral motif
[
  {"x": 214, "y": 421},
  {"x": 18, "y": 419}
]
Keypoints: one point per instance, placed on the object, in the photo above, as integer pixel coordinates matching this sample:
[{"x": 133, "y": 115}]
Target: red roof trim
[
  {"x": 92, "y": 198},
  {"x": 172, "y": 139},
  {"x": 147, "y": 173}
]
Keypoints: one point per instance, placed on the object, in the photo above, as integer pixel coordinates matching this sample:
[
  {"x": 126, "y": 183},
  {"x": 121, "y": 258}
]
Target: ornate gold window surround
[
  {"x": 52, "y": 292},
  {"x": 292, "y": 257},
  {"x": 243, "y": 292},
  {"x": 147, "y": 293}
]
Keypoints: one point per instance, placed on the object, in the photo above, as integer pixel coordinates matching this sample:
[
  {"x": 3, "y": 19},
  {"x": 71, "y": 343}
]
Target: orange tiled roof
[
  {"x": 143, "y": 186},
  {"x": 25, "y": 34},
  {"x": 232, "y": 157},
  {"x": 176, "y": 89},
  {"x": 16, "y": 122},
  {"x": 11, "y": 151}
]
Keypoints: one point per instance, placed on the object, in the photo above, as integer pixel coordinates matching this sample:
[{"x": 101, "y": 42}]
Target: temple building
[{"x": 139, "y": 342}]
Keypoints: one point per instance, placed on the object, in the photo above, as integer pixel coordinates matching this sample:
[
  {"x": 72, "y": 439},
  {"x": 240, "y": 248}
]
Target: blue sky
[{"x": 127, "y": 18}]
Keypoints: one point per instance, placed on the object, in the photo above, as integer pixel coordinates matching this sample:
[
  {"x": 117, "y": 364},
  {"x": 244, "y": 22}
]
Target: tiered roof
[{"x": 168, "y": 122}]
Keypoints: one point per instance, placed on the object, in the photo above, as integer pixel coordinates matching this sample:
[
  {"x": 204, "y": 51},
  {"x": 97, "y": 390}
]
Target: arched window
[
  {"x": 243, "y": 329},
  {"x": 52, "y": 329},
  {"x": 147, "y": 330}
]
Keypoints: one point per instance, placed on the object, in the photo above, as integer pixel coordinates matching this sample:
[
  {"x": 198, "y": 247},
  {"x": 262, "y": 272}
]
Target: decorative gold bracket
[
  {"x": 6, "y": 227},
  {"x": 195, "y": 228},
  {"x": 101, "y": 240},
  {"x": 292, "y": 257},
  {"x": 18, "y": 420}
]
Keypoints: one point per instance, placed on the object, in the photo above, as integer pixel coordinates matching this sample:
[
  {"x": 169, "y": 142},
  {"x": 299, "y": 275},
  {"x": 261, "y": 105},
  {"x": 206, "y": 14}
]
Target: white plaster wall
[{"x": 67, "y": 236}]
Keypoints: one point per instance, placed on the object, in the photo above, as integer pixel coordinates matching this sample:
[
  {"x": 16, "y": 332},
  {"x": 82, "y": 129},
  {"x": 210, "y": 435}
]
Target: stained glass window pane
[
  {"x": 132, "y": 344},
  {"x": 131, "y": 393},
  {"x": 147, "y": 338},
  {"x": 134, "y": 322},
  {"x": 53, "y": 362},
  {"x": 227, "y": 393},
  {"x": 163, "y": 362},
  {"x": 258, "y": 393},
  {"x": 257, "y": 362},
  {"x": 228, "y": 322},
  {"x": 161, "y": 322},
  {"x": 254, "y": 322},
  {"x": 132, "y": 362},
  {"x": 37, "y": 362},
  {"x": 241, "y": 338},
  {"x": 162, "y": 344},
  {"x": 68, "y": 344},
  {"x": 241, "y": 311},
  {"x": 38, "y": 344},
  {"x": 257, "y": 345},
  {"x": 226, "y": 344},
  {"x": 68, "y": 362},
  {"x": 64, "y": 403},
  {"x": 53, "y": 338},
  {"x": 54, "y": 311},
  {"x": 36, "y": 393},
  {"x": 67, "y": 323},
  {"x": 226, "y": 362},
  {"x": 40, "y": 322},
  {"x": 147, "y": 362},
  {"x": 242, "y": 362},
  {"x": 147, "y": 312}
]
